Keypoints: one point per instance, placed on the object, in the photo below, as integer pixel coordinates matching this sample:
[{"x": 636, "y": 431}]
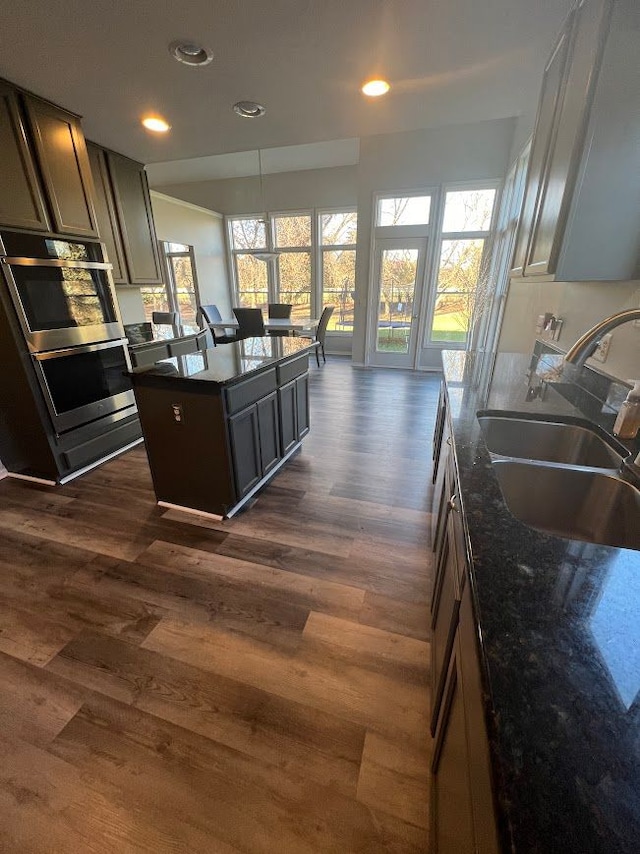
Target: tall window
[
  {"x": 180, "y": 293},
  {"x": 338, "y": 231},
  {"x": 305, "y": 258},
  {"x": 292, "y": 240},
  {"x": 462, "y": 271}
]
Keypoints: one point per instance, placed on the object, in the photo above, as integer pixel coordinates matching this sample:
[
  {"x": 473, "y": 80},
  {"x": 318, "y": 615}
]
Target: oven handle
[
  {"x": 85, "y": 348},
  {"x": 55, "y": 262}
]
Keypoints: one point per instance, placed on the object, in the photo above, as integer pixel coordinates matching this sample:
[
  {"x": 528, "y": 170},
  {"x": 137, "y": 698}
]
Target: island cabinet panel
[
  {"x": 269, "y": 431},
  {"x": 64, "y": 164},
  {"x": 288, "y": 416},
  {"x": 244, "y": 435},
  {"x": 108, "y": 225},
  {"x": 22, "y": 202},
  {"x": 133, "y": 207},
  {"x": 302, "y": 405}
]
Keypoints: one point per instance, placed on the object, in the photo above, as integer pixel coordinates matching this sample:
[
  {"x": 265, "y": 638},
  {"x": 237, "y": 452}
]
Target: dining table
[{"x": 273, "y": 324}]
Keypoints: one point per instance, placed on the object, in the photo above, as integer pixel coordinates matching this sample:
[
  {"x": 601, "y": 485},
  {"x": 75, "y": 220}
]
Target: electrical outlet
[{"x": 602, "y": 350}]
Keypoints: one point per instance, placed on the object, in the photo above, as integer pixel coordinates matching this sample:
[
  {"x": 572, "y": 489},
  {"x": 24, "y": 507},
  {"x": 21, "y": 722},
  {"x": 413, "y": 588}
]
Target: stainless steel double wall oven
[{"x": 64, "y": 300}]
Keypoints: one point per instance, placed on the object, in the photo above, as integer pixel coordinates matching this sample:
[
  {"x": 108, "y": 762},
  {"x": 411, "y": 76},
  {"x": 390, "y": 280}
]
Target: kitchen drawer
[
  {"x": 292, "y": 369},
  {"x": 147, "y": 354},
  {"x": 88, "y": 452},
  {"x": 243, "y": 394}
]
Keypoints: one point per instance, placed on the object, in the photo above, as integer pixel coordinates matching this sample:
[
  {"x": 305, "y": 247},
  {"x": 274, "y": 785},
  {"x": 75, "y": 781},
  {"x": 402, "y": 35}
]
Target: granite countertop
[
  {"x": 226, "y": 363},
  {"x": 559, "y": 622}
]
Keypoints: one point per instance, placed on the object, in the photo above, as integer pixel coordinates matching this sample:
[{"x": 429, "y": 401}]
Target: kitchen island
[
  {"x": 556, "y": 623},
  {"x": 219, "y": 423}
]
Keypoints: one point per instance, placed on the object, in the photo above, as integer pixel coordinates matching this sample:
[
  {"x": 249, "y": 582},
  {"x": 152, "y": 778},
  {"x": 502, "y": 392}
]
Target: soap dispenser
[{"x": 628, "y": 420}]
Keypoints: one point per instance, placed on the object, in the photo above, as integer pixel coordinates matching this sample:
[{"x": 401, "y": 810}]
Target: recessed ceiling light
[
  {"x": 249, "y": 109},
  {"x": 375, "y": 88},
  {"x": 190, "y": 53},
  {"x": 156, "y": 124}
]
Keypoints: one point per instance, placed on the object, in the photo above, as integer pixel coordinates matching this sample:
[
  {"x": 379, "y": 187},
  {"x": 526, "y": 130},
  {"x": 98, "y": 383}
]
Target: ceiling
[{"x": 448, "y": 62}]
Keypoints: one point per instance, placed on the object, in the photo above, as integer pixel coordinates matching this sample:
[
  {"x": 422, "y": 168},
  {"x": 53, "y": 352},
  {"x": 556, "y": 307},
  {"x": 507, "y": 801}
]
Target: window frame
[
  {"x": 169, "y": 283},
  {"x": 439, "y": 236},
  {"x": 315, "y": 249}
]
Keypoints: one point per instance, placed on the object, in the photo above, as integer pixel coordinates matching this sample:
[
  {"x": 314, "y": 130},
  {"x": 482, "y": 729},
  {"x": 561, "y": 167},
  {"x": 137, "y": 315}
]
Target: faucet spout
[{"x": 586, "y": 345}]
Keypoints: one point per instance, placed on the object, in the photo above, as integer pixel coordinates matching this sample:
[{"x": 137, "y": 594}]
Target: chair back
[
  {"x": 321, "y": 332},
  {"x": 210, "y": 313},
  {"x": 250, "y": 322},
  {"x": 280, "y": 310},
  {"x": 165, "y": 318}
]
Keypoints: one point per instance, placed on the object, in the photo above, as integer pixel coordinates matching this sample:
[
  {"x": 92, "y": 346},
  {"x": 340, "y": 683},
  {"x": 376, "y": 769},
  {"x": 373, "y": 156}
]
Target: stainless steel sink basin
[
  {"x": 580, "y": 504},
  {"x": 550, "y": 441}
]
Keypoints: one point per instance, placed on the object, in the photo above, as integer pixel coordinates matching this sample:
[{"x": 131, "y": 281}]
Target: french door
[{"x": 399, "y": 274}]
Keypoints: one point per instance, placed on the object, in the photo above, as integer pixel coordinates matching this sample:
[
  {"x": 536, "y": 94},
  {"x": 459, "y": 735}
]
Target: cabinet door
[
  {"x": 441, "y": 492},
  {"x": 21, "y": 201},
  {"x": 244, "y": 433},
  {"x": 288, "y": 416},
  {"x": 543, "y": 135},
  {"x": 108, "y": 226},
  {"x": 65, "y": 168},
  {"x": 452, "y": 812},
  {"x": 445, "y": 605},
  {"x": 302, "y": 405},
  {"x": 269, "y": 432},
  {"x": 133, "y": 205},
  {"x": 564, "y": 156}
]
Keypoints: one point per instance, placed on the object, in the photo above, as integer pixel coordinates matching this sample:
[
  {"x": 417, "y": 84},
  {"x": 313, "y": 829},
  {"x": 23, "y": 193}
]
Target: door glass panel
[
  {"x": 154, "y": 299},
  {"x": 458, "y": 287},
  {"x": 63, "y": 297},
  {"x": 295, "y": 282},
  {"x": 85, "y": 377},
  {"x": 398, "y": 269},
  {"x": 404, "y": 210},
  {"x": 468, "y": 210},
  {"x": 338, "y": 287},
  {"x": 253, "y": 288}
]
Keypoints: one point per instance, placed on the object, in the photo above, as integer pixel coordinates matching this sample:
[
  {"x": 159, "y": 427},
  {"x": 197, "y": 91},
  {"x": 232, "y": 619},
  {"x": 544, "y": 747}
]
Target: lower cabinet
[
  {"x": 462, "y": 811},
  {"x": 254, "y": 434},
  {"x": 293, "y": 400}
]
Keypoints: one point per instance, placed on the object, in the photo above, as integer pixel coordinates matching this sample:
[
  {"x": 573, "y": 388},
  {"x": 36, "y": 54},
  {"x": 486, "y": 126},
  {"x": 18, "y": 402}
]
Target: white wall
[
  {"x": 203, "y": 229},
  {"x": 331, "y": 187},
  {"x": 407, "y": 161},
  {"x": 580, "y": 305},
  {"x": 130, "y": 303}
]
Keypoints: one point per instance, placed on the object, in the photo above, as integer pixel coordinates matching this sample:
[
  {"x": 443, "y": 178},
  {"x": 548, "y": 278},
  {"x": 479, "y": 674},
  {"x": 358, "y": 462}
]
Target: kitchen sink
[
  {"x": 578, "y": 503},
  {"x": 550, "y": 441}
]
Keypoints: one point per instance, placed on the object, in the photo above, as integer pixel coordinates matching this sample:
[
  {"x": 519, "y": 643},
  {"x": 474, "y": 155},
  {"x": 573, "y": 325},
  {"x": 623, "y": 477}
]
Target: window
[
  {"x": 338, "y": 233},
  {"x": 292, "y": 240},
  {"x": 404, "y": 210},
  {"x": 180, "y": 292},
  {"x": 461, "y": 274},
  {"x": 291, "y": 258}
]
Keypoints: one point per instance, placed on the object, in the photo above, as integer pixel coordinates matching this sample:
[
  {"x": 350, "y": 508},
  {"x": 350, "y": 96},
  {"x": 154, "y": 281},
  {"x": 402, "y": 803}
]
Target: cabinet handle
[{"x": 452, "y": 503}]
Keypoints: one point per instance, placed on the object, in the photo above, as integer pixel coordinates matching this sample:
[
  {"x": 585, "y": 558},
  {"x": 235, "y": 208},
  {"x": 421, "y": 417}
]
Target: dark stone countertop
[
  {"x": 225, "y": 364},
  {"x": 559, "y": 622}
]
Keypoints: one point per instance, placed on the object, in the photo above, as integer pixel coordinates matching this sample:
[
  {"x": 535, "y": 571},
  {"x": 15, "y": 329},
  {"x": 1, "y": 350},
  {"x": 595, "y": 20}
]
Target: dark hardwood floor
[{"x": 174, "y": 684}]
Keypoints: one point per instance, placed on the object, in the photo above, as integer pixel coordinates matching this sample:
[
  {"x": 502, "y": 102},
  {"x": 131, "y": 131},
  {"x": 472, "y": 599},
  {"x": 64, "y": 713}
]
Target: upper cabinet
[
  {"x": 64, "y": 165},
  {"x": 133, "y": 207},
  {"x": 581, "y": 209},
  {"x": 22, "y": 202},
  {"x": 108, "y": 224}
]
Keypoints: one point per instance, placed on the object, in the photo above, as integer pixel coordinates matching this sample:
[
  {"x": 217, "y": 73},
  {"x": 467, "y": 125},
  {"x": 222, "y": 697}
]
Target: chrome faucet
[{"x": 587, "y": 344}]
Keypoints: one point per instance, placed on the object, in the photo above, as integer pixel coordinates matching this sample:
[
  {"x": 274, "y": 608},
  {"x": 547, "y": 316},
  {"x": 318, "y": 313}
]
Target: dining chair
[
  {"x": 250, "y": 322},
  {"x": 165, "y": 318},
  {"x": 211, "y": 314},
  {"x": 280, "y": 310},
  {"x": 321, "y": 331}
]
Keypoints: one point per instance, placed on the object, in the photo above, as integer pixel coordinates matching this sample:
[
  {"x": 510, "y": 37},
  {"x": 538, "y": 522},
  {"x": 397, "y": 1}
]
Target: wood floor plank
[
  {"x": 285, "y": 733},
  {"x": 394, "y": 778},
  {"x": 395, "y": 615},
  {"x": 365, "y": 698}
]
